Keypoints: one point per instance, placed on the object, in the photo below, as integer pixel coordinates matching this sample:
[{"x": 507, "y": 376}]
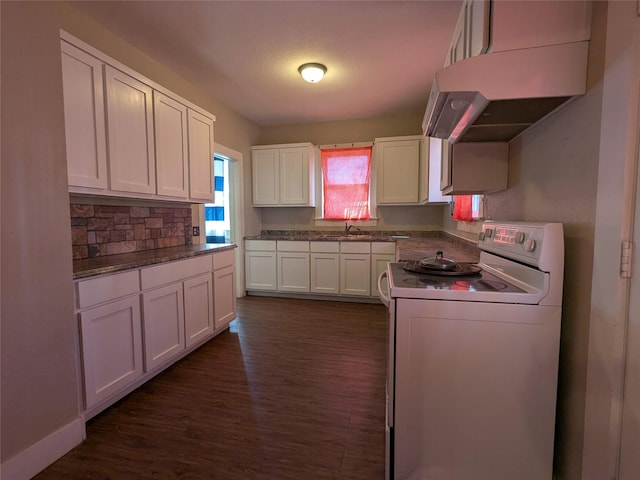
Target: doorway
[{"x": 232, "y": 160}]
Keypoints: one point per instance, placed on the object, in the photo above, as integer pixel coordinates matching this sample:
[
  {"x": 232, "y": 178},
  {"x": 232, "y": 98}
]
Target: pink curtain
[
  {"x": 345, "y": 177},
  {"x": 462, "y": 209}
]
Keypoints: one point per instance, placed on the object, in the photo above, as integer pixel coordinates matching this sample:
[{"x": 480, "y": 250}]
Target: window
[
  {"x": 216, "y": 215},
  {"x": 346, "y": 175},
  {"x": 467, "y": 208}
]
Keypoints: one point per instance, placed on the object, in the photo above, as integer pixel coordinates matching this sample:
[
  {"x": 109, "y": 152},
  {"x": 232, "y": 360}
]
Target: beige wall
[
  {"x": 351, "y": 131},
  {"x": 39, "y": 381},
  {"x": 553, "y": 172}
]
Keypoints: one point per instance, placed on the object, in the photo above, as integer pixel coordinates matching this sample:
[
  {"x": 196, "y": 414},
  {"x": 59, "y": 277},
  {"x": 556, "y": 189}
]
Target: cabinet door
[
  {"x": 398, "y": 178},
  {"x": 260, "y": 270},
  {"x": 111, "y": 348},
  {"x": 293, "y": 271},
  {"x": 294, "y": 176},
  {"x": 130, "y": 133},
  {"x": 445, "y": 165},
  {"x": 266, "y": 176},
  {"x": 224, "y": 296},
  {"x": 172, "y": 163},
  {"x": 378, "y": 265},
  {"x": 85, "y": 131},
  {"x": 325, "y": 273},
  {"x": 163, "y": 313},
  {"x": 198, "y": 308},
  {"x": 478, "y": 26},
  {"x": 355, "y": 274},
  {"x": 200, "y": 157}
]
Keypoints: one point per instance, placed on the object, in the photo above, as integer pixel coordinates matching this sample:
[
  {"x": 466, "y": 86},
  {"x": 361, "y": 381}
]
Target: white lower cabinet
[
  {"x": 325, "y": 267},
  {"x": 111, "y": 348},
  {"x": 198, "y": 308},
  {"x": 381, "y": 254},
  {"x": 293, "y": 266},
  {"x": 355, "y": 268},
  {"x": 163, "y": 324},
  {"x": 260, "y": 265},
  {"x": 134, "y": 323}
]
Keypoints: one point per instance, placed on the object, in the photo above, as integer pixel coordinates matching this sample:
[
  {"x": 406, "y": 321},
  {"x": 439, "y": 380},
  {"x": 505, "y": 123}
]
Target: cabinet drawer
[
  {"x": 106, "y": 288},
  {"x": 383, "y": 247},
  {"x": 260, "y": 245},
  {"x": 355, "y": 247},
  {"x": 325, "y": 247},
  {"x": 174, "y": 271},
  {"x": 226, "y": 258},
  {"x": 292, "y": 246}
]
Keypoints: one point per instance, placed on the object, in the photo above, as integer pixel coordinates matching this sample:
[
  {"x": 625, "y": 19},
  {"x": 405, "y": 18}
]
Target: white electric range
[{"x": 473, "y": 361}]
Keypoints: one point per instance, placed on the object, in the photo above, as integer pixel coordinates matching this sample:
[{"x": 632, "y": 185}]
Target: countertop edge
[{"x": 92, "y": 267}]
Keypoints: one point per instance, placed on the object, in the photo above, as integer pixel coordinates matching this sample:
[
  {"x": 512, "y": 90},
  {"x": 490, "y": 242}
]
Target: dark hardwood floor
[{"x": 295, "y": 389}]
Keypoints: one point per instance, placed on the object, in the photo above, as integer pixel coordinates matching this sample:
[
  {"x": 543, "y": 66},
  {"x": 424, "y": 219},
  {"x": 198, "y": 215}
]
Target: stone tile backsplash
[{"x": 99, "y": 230}]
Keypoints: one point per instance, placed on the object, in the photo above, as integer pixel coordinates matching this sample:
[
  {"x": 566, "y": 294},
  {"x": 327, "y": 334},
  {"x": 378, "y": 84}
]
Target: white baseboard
[{"x": 28, "y": 463}]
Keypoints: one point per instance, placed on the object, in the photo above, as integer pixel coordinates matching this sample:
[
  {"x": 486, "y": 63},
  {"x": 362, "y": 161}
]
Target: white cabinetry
[
  {"x": 325, "y": 267},
  {"x": 405, "y": 172},
  {"x": 172, "y": 156},
  {"x": 283, "y": 175},
  {"x": 293, "y": 266},
  {"x": 198, "y": 308},
  {"x": 84, "y": 118},
  {"x": 260, "y": 265},
  {"x": 163, "y": 324},
  {"x": 471, "y": 34},
  {"x": 224, "y": 288},
  {"x": 355, "y": 268},
  {"x": 110, "y": 333},
  {"x": 200, "y": 156},
  {"x": 128, "y": 136},
  {"x": 381, "y": 254},
  {"x": 130, "y": 133},
  {"x": 474, "y": 167}
]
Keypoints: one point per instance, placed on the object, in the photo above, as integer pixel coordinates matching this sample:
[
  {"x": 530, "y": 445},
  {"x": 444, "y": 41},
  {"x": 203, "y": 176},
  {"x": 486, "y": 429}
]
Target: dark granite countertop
[{"x": 90, "y": 267}]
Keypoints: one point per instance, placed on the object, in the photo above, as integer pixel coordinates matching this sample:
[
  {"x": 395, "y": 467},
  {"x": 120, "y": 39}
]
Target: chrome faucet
[{"x": 347, "y": 228}]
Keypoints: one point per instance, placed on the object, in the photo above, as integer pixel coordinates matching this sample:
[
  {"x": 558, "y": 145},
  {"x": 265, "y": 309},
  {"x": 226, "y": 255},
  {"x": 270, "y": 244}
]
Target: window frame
[{"x": 319, "y": 220}]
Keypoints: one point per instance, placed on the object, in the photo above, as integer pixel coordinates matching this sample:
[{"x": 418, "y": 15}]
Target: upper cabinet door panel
[
  {"x": 266, "y": 176},
  {"x": 398, "y": 172},
  {"x": 84, "y": 118},
  {"x": 200, "y": 156},
  {"x": 172, "y": 162},
  {"x": 130, "y": 133},
  {"x": 294, "y": 176}
]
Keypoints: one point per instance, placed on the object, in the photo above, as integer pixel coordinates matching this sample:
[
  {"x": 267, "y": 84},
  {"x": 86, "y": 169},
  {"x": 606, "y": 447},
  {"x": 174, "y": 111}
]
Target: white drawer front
[
  {"x": 325, "y": 247},
  {"x": 293, "y": 246},
  {"x": 260, "y": 245},
  {"x": 175, "y": 271},
  {"x": 226, "y": 258},
  {"x": 383, "y": 247},
  {"x": 107, "y": 287},
  {"x": 355, "y": 247}
]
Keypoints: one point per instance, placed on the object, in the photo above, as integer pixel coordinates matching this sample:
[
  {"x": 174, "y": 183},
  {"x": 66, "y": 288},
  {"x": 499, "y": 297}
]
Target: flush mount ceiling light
[{"x": 312, "y": 72}]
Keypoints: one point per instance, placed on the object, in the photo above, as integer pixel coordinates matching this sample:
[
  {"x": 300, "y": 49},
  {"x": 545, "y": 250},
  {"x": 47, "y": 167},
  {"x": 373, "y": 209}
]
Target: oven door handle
[{"x": 383, "y": 296}]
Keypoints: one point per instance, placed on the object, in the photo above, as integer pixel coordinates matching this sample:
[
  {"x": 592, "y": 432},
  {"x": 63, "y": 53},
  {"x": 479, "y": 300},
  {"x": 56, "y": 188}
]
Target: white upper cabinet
[
  {"x": 474, "y": 167},
  {"x": 172, "y": 155},
  {"x": 130, "y": 133},
  {"x": 200, "y": 156},
  {"x": 128, "y": 136},
  {"x": 84, "y": 118},
  {"x": 283, "y": 175},
  {"x": 405, "y": 172}
]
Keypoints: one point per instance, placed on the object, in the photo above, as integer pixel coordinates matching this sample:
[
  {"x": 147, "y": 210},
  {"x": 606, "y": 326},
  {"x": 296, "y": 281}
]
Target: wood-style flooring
[{"x": 295, "y": 389}]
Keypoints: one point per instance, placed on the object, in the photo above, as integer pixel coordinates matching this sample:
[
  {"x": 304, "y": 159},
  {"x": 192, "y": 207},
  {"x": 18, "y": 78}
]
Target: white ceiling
[{"x": 381, "y": 55}]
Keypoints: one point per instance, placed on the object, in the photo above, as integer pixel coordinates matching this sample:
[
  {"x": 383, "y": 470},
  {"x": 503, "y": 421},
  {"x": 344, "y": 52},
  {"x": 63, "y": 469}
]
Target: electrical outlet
[{"x": 196, "y": 231}]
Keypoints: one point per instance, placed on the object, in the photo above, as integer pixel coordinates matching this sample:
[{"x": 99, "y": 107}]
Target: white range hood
[{"x": 496, "y": 96}]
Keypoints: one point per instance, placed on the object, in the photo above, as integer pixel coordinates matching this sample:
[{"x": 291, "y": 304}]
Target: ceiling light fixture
[{"x": 312, "y": 72}]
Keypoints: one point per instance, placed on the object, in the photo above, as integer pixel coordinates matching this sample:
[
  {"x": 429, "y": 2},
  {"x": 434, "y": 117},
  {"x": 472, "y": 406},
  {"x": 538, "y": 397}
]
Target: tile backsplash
[{"x": 99, "y": 230}]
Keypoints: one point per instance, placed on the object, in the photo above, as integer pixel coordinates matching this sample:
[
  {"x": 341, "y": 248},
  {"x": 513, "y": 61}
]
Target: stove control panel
[{"x": 533, "y": 243}]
